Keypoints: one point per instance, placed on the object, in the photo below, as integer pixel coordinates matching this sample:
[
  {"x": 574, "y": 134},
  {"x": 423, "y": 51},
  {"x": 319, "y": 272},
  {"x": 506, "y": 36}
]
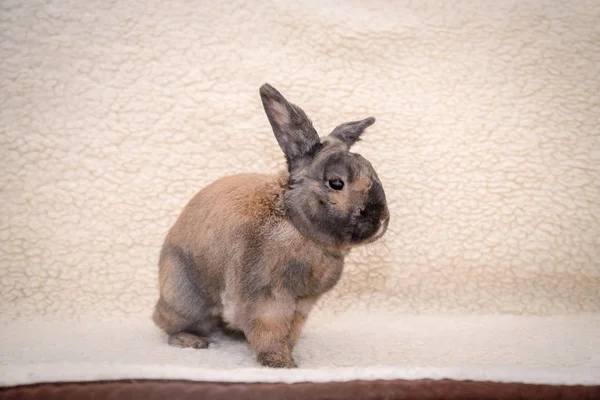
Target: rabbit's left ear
[
  {"x": 350, "y": 132},
  {"x": 293, "y": 130}
]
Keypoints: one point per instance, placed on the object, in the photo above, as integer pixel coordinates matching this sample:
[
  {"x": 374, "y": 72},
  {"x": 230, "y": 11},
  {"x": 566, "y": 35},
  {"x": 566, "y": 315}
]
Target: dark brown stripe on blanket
[{"x": 397, "y": 389}]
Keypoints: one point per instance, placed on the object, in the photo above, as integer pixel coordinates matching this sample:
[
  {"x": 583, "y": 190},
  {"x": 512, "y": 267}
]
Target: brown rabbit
[{"x": 250, "y": 254}]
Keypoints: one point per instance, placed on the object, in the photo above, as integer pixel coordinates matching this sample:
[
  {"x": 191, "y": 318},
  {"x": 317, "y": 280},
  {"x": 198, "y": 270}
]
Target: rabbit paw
[{"x": 185, "y": 339}]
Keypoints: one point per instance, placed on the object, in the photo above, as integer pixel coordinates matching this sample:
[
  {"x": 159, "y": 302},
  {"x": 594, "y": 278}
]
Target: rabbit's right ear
[{"x": 292, "y": 128}]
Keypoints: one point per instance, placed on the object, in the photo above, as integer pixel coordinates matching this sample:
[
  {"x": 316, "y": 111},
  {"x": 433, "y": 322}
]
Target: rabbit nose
[
  {"x": 383, "y": 224},
  {"x": 384, "y": 217}
]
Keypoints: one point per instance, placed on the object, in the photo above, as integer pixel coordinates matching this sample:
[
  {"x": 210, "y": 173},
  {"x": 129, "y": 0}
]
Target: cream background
[{"x": 114, "y": 113}]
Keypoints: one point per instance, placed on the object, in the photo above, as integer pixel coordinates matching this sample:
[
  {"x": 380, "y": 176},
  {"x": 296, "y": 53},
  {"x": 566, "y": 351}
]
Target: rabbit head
[{"x": 332, "y": 195}]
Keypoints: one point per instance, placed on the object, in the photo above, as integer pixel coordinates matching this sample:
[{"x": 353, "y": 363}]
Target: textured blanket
[{"x": 487, "y": 141}]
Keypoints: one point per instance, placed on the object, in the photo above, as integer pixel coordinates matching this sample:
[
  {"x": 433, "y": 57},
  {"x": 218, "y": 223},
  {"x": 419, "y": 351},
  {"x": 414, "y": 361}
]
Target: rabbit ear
[
  {"x": 292, "y": 128},
  {"x": 350, "y": 132}
]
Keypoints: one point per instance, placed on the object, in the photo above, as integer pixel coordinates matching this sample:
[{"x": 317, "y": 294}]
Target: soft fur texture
[{"x": 113, "y": 114}]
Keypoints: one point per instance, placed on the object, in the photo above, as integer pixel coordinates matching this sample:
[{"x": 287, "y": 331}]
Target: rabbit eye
[{"x": 336, "y": 184}]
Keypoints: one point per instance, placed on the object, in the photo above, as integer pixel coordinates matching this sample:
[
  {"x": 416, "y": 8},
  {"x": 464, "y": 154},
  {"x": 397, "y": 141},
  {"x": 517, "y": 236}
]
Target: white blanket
[
  {"x": 487, "y": 141},
  {"x": 554, "y": 350}
]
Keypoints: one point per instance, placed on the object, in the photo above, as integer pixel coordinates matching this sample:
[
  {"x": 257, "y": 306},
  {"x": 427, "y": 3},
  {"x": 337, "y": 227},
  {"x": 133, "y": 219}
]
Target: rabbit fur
[{"x": 250, "y": 254}]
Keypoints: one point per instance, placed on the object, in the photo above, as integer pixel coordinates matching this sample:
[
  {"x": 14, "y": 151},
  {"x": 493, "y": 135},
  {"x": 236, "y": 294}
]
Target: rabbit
[{"x": 250, "y": 254}]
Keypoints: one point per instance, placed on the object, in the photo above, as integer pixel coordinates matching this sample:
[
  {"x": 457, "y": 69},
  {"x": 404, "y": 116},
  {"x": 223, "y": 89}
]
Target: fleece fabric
[{"x": 114, "y": 113}]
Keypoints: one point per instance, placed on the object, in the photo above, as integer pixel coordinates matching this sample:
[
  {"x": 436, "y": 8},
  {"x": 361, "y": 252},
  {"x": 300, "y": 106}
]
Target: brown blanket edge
[{"x": 423, "y": 389}]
